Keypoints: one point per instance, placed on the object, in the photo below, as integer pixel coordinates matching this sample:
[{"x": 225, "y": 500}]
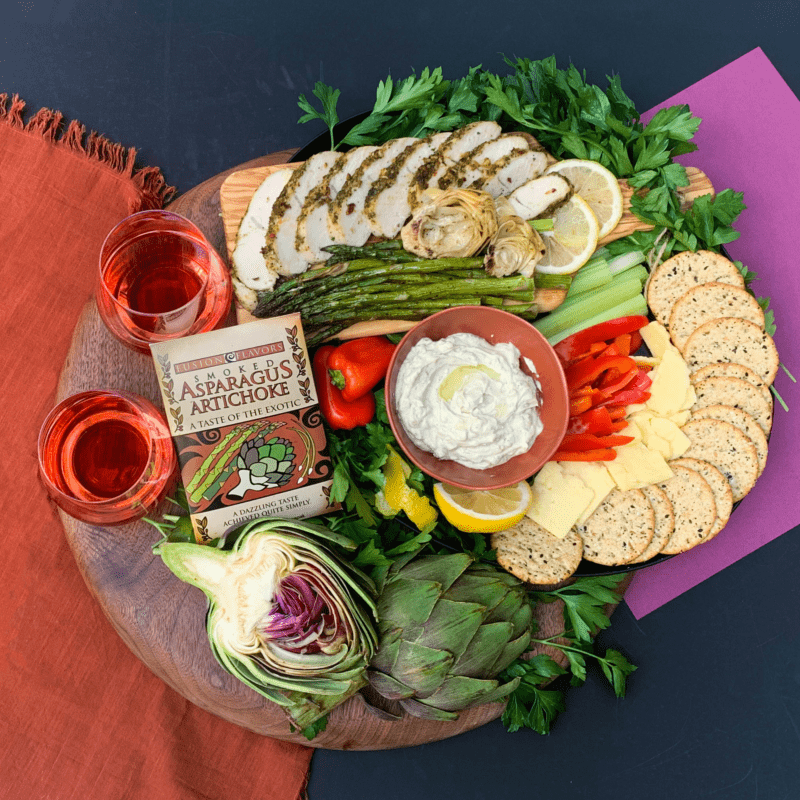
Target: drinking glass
[
  {"x": 160, "y": 279},
  {"x": 106, "y": 457}
]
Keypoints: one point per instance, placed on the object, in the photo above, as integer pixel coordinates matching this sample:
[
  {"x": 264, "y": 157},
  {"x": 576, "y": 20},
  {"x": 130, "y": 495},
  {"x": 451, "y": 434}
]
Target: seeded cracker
[
  {"x": 744, "y": 422},
  {"x": 737, "y": 393},
  {"x": 664, "y": 522},
  {"x": 619, "y": 530},
  {"x": 675, "y": 276},
  {"x": 534, "y": 555},
  {"x": 695, "y": 511},
  {"x": 723, "y": 496},
  {"x": 711, "y": 301},
  {"x": 728, "y": 449},
  {"x": 731, "y": 370},
  {"x": 736, "y": 340}
]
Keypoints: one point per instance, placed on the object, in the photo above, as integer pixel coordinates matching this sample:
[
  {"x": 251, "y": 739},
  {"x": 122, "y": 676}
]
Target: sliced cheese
[
  {"x": 660, "y": 434},
  {"x": 559, "y": 499},
  {"x": 596, "y": 477},
  {"x": 656, "y": 337},
  {"x": 637, "y": 466},
  {"x": 670, "y": 384}
]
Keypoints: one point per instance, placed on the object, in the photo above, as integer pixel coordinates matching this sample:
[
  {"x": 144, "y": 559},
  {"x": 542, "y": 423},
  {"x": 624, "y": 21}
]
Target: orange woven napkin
[{"x": 80, "y": 716}]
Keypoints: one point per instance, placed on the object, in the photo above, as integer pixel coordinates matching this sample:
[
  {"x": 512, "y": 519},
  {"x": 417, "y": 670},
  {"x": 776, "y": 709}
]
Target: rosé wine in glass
[
  {"x": 160, "y": 279},
  {"x": 106, "y": 457}
]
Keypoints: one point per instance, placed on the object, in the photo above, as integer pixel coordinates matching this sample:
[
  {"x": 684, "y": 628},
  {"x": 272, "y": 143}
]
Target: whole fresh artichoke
[
  {"x": 286, "y": 615},
  {"x": 448, "y": 626}
]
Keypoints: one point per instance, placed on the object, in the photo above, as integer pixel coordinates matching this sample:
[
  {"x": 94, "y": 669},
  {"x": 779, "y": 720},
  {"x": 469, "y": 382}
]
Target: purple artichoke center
[{"x": 300, "y": 620}]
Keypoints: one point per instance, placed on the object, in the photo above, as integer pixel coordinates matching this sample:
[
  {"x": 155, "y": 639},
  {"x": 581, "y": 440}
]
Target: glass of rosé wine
[
  {"x": 160, "y": 279},
  {"x": 106, "y": 457}
]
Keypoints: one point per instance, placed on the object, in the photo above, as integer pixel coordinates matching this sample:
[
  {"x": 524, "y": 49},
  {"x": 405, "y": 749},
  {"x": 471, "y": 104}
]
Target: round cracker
[
  {"x": 730, "y": 339},
  {"x": 664, "y": 522},
  {"x": 728, "y": 449},
  {"x": 674, "y": 277},
  {"x": 731, "y": 370},
  {"x": 744, "y": 422},
  {"x": 737, "y": 393},
  {"x": 531, "y": 553},
  {"x": 620, "y": 528},
  {"x": 711, "y": 301},
  {"x": 723, "y": 496},
  {"x": 695, "y": 512}
]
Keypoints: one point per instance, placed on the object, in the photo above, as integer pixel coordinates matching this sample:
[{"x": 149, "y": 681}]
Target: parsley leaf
[{"x": 329, "y": 98}]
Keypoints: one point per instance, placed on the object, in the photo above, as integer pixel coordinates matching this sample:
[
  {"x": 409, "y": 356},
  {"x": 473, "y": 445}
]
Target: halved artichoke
[
  {"x": 286, "y": 615},
  {"x": 455, "y": 223},
  {"x": 448, "y": 627},
  {"x": 516, "y": 248}
]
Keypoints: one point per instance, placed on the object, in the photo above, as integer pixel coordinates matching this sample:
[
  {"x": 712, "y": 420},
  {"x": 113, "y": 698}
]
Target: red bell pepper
[
  {"x": 588, "y": 371},
  {"x": 576, "y": 345},
  {"x": 603, "y": 454},
  {"x": 358, "y": 366},
  {"x": 574, "y": 442},
  {"x": 634, "y": 392},
  {"x": 596, "y": 420},
  {"x": 337, "y": 412}
]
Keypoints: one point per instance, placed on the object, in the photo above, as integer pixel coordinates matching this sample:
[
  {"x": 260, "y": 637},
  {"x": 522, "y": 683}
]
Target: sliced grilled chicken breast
[
  {"x": 347, "y": 221},
  {"x": 280, "y": 252},
  {"x": 454, "y": 148},
  {"x": 514, "y": 171},
  {"x": 313, "y": 233},
  {"x": 540, "y": 195},
  {"x": 248, "y": 266},
  {"x": 387, "y": 206},
  {"x": 473, "y": 167}
]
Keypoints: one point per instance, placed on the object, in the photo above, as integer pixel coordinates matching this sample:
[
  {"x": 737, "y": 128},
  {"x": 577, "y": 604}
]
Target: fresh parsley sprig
[{"x": 531, "y": 705}]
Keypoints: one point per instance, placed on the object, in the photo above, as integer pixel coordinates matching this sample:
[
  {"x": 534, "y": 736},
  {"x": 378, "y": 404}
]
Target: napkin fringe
[{"x": 152, "y": 188}]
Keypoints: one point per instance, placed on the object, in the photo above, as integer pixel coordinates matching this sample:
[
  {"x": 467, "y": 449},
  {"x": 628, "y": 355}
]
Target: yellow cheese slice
[
  {"x": 670, "y": 385},
  {"x": 596, "y": 477},
  {"x": 660, "y": 434},
  {"x": 636, "y": 466},
  {"x": 559, "y": 499},
  {"x": 656, "y": 338}
]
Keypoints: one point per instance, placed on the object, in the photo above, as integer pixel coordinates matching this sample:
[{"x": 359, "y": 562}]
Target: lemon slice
[
  {"x": 573, "y": 239},
  {"x": 397, "y": 495},
  {"x": 483, "y": 511},
  {"x": 596, "y": 185}
]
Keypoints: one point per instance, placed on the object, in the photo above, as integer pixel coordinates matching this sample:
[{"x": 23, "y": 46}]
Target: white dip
[{"x": 466, "y": 400}]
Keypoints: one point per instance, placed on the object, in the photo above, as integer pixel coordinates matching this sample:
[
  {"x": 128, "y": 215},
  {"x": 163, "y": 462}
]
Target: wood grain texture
[{"x": 162, "y": 619}]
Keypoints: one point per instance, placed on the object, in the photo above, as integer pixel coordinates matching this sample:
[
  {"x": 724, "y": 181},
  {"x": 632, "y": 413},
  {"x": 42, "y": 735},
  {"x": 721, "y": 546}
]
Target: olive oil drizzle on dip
[{"x": 468, "y": 401}]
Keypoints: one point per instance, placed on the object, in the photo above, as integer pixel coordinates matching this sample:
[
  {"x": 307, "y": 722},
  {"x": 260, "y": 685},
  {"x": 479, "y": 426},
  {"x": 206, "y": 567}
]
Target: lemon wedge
[
  {"x": 483, "y": 511},
  {"x": 573, "y": 239},
  {"x": 596, "y": 185},
  {"x": 397, "y": 495}
]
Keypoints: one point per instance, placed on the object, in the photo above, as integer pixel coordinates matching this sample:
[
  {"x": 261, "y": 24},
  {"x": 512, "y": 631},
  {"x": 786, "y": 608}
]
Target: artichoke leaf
[
  {"x": 431, "y": 568},
  {"x": 417, "y": 599},
  {"x": 459, "y": 692},
  {"x": 481, "y": 654},
  {"x": 451, "y": 626},
  {"x": 422, "y": 667}
]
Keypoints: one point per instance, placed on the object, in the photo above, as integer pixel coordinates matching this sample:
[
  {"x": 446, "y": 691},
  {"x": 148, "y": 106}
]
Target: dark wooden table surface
[{"x": 201, "y": 87}]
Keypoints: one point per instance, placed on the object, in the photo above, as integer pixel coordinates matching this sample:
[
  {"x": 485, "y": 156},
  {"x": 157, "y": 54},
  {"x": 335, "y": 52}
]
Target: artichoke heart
[
  {"x": 448, "y": 627},
  {"x": 286, "y": 615},
  {"x": 516, "y": 248},
  {"x": 455, "y": 223}
]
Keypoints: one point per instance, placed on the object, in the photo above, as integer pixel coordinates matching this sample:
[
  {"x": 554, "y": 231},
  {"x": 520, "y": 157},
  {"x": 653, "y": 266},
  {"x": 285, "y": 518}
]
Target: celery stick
[
  {"x": 626, "y": 261},
  {"x": 635, "y": 305},
  {"x": 571, "y": 313},
  {"x": 592, "y": 275}
]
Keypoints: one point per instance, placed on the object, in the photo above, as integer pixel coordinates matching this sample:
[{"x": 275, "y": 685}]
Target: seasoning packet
[{"x": 244, "y": 415}]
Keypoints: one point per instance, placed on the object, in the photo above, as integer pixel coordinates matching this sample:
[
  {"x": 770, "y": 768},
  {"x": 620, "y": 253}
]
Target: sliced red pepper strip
[
  {"x": 636, "y": 341},
  {"x": 604, "y": 454},
  {"x": 359, "y": 365},
  {"x": 337, "y": 412},
  {"x": 634, "y": 392},
  {"x": 589, "y": 441},
  {"x": 586, "y": 372},
  {"x": 613, "y": 381},
  {"x": 577, "y": 405},
  {"x": 573, "y": 346},
  {"x": 595, "y": 420},
  {"x": 616, "y": 412}
]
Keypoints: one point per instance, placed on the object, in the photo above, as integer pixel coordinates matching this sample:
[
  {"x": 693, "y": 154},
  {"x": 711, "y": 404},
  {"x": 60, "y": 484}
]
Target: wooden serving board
[
  {"x": 161, "y": 618},
  {"x": 239, "y": 187}
]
